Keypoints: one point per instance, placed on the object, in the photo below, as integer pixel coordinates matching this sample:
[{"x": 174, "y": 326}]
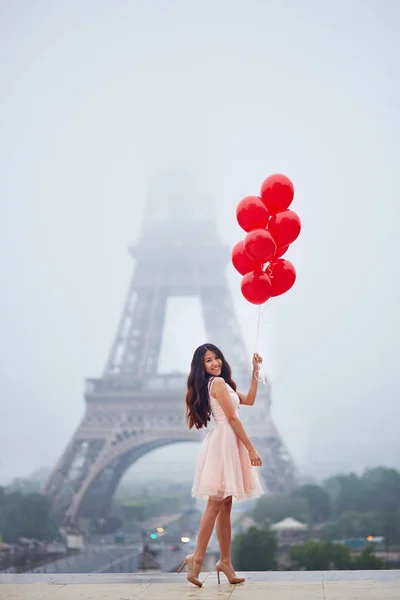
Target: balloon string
[
  {"x": 260, "y": 374},
  {"x": 292, "y": 416}
]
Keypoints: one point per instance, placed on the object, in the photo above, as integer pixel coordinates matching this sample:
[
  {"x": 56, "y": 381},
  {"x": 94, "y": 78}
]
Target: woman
[{"x": 225, "y": 467}]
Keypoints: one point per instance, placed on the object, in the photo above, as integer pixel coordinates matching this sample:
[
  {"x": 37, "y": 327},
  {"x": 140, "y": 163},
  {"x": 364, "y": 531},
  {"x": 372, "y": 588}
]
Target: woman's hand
[
  {"x": 257, "y": 361},
  {"x": 255, "y": 458}
]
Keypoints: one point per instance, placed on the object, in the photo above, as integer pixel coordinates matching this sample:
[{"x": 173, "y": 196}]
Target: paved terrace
[{"x": 290, "y": 585}]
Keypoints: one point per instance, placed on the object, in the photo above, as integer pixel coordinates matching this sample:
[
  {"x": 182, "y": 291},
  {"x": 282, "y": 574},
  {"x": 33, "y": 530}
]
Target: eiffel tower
[{"x": 133, "y": 409}]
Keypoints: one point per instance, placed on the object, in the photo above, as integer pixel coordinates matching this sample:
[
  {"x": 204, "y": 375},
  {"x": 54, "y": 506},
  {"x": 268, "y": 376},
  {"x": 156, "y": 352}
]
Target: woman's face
[{"x": 212, "y": 363}]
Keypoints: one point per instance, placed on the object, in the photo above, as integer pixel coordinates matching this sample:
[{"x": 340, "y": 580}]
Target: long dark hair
[{"x": 198, "y": 409}]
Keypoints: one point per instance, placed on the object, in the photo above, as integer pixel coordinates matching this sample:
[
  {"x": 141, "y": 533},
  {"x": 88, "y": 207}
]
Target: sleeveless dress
[{"x": 223, "y": 467}]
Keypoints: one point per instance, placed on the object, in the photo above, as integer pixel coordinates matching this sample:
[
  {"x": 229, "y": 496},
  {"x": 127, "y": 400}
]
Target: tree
[
  {"x": 384, "y": 488},
  {"x": 255, "y": 550},
  {"x": 25, "y": 486},
  {"x": 377, "y": 489},
  {"x": 316, "y": 556},
  {"x": 26, "y": 516},
  {"x": 272, "y": 509},
  {"x": 354, "y": 524},
  {"x": 311, "y": 556},
  {"x": 367, "y": 560},
  {"x": 366, "y": 505},
  {"x": 318, "y": 502},
  {"x": 340, "y": 556},
  {"x": 348, "y": 493},
  {"x": 391, "y": 527}
]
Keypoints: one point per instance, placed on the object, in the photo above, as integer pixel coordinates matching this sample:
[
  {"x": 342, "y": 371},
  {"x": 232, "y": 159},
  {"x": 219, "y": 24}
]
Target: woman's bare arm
[{"x": 249, "y": 398}]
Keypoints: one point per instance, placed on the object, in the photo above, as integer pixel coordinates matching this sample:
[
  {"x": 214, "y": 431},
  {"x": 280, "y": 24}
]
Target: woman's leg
[
  {"x": 206, "y": 528},
  {"x": 224, "y": 530}
]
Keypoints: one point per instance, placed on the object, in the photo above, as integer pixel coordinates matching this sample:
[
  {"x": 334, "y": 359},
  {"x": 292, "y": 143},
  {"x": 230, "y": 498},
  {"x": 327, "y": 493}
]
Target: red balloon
[
  {"x": 280, "y": 252},
  {"x": 277, "y": 192},
  {"x": 252, "y": 214},
  {"x": 256, "y": 287},
  {"x": 282, "y": 275},
  {"x": 284, "y": 227},
  {"x": 260, "y": 245},
  {"x": 241, "y": 261}
]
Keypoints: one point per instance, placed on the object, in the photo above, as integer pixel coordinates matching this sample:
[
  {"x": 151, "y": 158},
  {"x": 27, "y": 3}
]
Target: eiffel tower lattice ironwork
[{"x": 132, "y": 409}]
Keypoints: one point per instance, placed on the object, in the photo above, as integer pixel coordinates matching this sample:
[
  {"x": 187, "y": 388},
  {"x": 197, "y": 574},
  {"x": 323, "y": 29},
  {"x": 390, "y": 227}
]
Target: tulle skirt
[{"x": 224, "y": 469}]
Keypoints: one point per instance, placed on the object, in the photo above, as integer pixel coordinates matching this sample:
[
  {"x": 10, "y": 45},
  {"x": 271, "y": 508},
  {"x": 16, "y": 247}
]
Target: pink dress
[{"x": 223, "y": 468}]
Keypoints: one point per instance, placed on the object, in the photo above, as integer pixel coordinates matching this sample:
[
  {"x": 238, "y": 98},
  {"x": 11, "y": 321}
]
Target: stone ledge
[
  {"x": 157, "y": 577},
  {"x": 320, "y": 585}
]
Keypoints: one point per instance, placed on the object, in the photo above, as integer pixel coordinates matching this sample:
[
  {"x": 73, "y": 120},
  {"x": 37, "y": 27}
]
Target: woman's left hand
[{"x": 257, "y": 361}]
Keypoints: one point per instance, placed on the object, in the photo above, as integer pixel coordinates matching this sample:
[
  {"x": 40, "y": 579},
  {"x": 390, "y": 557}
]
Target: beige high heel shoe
[
  {"x": 228, "y": 572},
  {"x": 189, "y": 561}
]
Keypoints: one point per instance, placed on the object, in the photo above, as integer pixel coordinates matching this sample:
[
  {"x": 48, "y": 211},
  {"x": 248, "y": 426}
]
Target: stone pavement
[{"x": 318, "y": 585}]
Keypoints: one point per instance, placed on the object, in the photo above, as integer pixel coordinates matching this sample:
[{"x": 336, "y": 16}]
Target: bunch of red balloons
[{"x": 271, "y": 227}]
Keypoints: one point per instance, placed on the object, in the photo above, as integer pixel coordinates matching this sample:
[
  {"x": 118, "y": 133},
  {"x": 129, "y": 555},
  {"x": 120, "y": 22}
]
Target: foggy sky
[{"x": 96, "y": 99}]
